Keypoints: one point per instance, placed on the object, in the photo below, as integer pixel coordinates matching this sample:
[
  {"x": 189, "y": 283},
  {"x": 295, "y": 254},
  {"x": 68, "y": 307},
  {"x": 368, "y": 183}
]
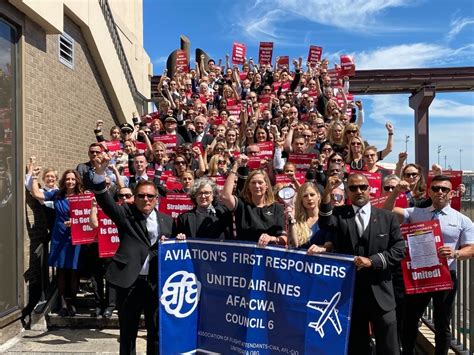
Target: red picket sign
[
  {"x": 108, "y": 237},
  {"x": 401, "y": 201},
  {"x": 175, "y": 204},
  {"x": 182, "y": 60},
  {"x": 265, "y": 53},
  {"x": 254, "y": 163},
  {"x": 199, "y": 145},
  {"x": 347, "y": 65},
  {"x": 126, "y": 172},
  {"x": 264, "y": 99},
  {"x": 266, "y": 150},
  {"x": 150, "y": 172},
  {"x": 285, "y": 180},
  {"x": 423, "y": 271},
  {"x": 314, "y": 54},
  {"x": 456, "y": 179},
  {"x": 113, "y": 146},
  {"x": 335, "y": 75},
  {"x": 301, "y": 161},
  {"x": 238, "y": 53},
  {"x": 220, "y": 181},
  {"x": 285, "y": 86},
  {"x": 234, "y": 110},
  {"x": 169, "y": 140},
  {"x": 141, "y": 147},
  {"x": 283, "y": 62},
  {"x": 79, "y": 212},
  {"x": 173, "y": 183}
]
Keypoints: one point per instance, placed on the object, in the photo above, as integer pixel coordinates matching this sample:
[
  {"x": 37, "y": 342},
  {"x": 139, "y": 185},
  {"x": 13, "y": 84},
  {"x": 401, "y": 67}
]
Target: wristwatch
[{"x": 456, "y": 254}]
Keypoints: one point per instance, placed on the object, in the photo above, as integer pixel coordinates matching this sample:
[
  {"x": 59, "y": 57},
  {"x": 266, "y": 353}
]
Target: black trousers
[
  {"x": 365, "y": 309},
  {"x": 131, "y": 302},
  {"x": 442, "y": 311}
]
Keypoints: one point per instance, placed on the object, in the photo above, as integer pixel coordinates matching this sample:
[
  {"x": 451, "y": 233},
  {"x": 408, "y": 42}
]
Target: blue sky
[{"x": 380, "y": 34}]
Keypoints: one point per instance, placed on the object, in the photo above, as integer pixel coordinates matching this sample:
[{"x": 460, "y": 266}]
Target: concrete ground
[{"x": 69, "y": 341}]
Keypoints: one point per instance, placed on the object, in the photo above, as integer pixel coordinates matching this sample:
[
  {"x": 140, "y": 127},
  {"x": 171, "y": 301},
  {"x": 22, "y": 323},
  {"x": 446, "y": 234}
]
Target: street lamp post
[
  {"x": 445, "y": 162},
  {"x": 439, "y": 151},
  {"x": 407, "y": 138},
  {"x": 460, "y": 159}
]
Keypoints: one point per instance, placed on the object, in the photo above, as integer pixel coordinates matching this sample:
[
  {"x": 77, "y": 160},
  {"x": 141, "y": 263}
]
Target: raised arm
[
  {"x": 35, "y": 190},
  {"x": 388, "y": 148}
]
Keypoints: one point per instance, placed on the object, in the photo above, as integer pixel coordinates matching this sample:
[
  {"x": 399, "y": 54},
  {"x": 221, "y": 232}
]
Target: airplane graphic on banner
[{"x": 328, "y": 312}]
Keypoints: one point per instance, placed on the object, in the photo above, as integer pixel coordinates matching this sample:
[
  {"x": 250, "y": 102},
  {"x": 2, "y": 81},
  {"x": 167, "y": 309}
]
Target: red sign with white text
[
  {"x": 169, "y": 140},
  {"x": 335, "y": 75},
  {"x": 456, "y": 179},
  {"x": 285, "y": 179},
  {"x": 108, "y": 237},
  {"x": 302, "y": 161},
  {"x": 314, "y": 55},
  {"x": 182, "y": 61},
  {"x": 173, "y": 183},
  {"x": 238, "y": 53},
  {"x": 347, "y": 65},
  {"x": 79, "y": 213},
  {"x": 175, "y": 204},
  {"x": 423, "y": 270},
  {"x": 113, "y": 146},
  {"x": 220, "y": 181},
  {"x": 283, "y": 62},
  {"x": 266, "y": 150},
  {"x": 375, "y": 182},
  {"x": 265, "y": 53},
  {"x": 141, "y": 147},
  {"x": 401, "y": 201}
]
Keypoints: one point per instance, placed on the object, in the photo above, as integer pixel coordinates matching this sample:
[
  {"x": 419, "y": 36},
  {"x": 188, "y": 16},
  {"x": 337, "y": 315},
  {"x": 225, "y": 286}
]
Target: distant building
[{"x": 63, "y": 65}]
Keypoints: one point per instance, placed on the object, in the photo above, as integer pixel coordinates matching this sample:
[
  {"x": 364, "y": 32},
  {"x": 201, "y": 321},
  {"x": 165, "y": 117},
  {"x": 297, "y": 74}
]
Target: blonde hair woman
[{"x": 303, "y": 230}]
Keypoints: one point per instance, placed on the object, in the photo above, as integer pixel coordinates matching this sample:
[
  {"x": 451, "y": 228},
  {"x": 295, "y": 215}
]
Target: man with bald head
[
  {"x": 373, "y": 236},
  {"x": 201, "y": 135}
]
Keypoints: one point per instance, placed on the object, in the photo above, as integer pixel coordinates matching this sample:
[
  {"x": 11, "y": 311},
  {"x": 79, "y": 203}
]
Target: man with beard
[{"x": 373, "y": 236}]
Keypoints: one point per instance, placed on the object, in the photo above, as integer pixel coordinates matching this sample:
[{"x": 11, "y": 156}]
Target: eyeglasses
[
  {"x": 355, "y": 188},
  {"x": 94, "y": 152},
  {"x": 267, "y": 89},
  {"x": 124, "y": 196},
  {"x": 356, "y": 143},
  {"x": 320, "y": 126},
  {"x": 370, "y": 155},
  {"x": 143, "y": 196},
  {"x": 388, "y": 188},
  {"x": 410, "y": 175},
  {"x": 336, "y": 160},
  {"x": 337, "y": 197},
  {"x": 180, "y": 162},
  {"x": 351, "y": 131},
  {"x": 204, "y": 193},
  {"x": 440, "y": 188},
  {"x": 221, "y": 162}
]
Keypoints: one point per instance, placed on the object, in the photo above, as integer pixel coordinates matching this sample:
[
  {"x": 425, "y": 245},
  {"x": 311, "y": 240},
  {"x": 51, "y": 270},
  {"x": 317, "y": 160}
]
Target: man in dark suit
[
  {"x": 200, "y": 134},
  {"x": 134, "y": 268},
  {"x": 373, "y": 236}
]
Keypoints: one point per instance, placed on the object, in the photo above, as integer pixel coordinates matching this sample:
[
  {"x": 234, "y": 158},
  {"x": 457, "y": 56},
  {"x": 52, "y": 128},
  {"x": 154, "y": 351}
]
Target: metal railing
[
  {"x": 462, "y": 322},
  {"x": 114, "y": 34}
]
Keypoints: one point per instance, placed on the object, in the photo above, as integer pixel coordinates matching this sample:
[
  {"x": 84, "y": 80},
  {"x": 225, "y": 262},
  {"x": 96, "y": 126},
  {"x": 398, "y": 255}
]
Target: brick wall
[{"x": 61, "y": 106}]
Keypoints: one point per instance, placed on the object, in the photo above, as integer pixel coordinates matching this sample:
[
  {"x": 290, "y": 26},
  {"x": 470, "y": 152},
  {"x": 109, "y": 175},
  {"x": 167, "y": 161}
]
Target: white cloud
[
  {"x": 266, "y": 18},
  {"x": 457, "y": 25}
]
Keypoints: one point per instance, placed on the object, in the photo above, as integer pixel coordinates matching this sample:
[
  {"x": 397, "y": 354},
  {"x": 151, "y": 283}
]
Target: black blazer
[
  {"x": 386, "y": 247},
  {"x": 215, "y": 227},
  {"x": 134, "y": 242}
]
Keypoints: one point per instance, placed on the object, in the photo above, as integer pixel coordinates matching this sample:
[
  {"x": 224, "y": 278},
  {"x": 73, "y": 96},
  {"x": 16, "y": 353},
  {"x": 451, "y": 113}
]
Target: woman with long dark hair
[{"x": 63, "y": 255}]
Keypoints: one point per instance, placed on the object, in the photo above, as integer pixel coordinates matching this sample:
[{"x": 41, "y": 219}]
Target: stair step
[{"x": 83, "y": 319}]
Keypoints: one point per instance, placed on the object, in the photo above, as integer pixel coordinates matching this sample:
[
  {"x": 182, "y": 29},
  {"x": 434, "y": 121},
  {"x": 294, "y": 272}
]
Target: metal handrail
[{"x": 112, "y": 26}]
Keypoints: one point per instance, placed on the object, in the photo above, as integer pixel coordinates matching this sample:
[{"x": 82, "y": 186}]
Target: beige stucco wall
[{"x": 49, "y": 14}]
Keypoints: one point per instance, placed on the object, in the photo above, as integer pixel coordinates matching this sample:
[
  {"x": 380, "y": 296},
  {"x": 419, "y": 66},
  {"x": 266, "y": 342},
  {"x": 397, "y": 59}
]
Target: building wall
[{"x": 60, "y": 110}]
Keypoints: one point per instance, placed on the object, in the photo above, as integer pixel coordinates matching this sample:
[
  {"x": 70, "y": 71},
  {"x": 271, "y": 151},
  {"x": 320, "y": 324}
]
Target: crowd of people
[{"x": 234, "y": 139}]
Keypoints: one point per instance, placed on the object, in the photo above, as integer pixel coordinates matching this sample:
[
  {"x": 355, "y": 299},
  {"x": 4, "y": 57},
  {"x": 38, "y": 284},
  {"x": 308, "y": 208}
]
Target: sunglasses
[
  {"x": 126, "y": 196},
  {"x": 369, "y": 155},
  {"x": 320, "y": 126},
  {"x": 440, "y": 188},
  {"x": 355, "y": 188},
  {"x": 337, "y": 197},
  {"x": 410, "y": 175},
  {"x": 179, "y": 162},
  {"x": 267, "y": 89},
  {"x": 356, "y": 143},
  {"x": 94, "y": 152},
  {"x": 352, "y": 131},
  {"x": 221, "y": 162},
  {"x": 388, "y": 188},
  {"x": 143, "y": 196}
]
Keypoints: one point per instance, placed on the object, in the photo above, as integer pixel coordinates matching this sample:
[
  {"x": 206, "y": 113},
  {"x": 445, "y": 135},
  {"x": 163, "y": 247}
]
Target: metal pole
[
  {"x": 445, "y": 162},
  {"x": 406, "y": 142},
  {"x": 460, "y": 159},
  {"x": 439, "y": 151}
]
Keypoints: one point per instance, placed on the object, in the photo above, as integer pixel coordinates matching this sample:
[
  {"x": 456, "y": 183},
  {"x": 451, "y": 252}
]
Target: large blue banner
[{"x": 238, "y": 298}]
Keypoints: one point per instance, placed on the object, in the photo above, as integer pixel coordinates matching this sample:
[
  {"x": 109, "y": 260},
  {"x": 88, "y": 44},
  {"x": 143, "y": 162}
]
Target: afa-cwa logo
[{"x": 180, "y": 294}]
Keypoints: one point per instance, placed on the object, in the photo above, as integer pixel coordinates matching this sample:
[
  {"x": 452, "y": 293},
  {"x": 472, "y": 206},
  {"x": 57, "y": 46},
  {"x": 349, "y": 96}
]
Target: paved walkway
[{"x": 69, "y": 341}]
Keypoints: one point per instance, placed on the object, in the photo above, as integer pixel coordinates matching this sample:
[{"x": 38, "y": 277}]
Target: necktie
[
  {"x": 435, "y": 214},
  {"x": 359, "y": 222}
]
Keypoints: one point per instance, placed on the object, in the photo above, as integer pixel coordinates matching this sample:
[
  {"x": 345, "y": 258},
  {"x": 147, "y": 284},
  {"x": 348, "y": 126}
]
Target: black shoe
[
  {"x": 63, "y": 312},
  {"x": 71, "y": 310},
  {"x": 96, "y": 312},
  {"x": 108, "y": 312}
]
